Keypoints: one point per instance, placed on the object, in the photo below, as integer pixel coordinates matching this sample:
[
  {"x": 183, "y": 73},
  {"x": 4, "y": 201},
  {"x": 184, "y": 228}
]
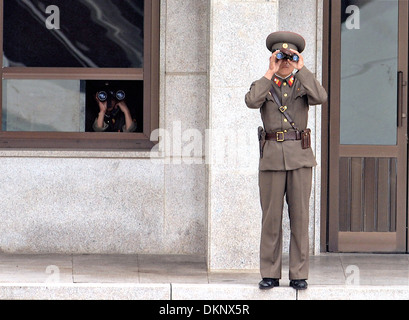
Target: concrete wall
[
  {"x": 126, "y": 202},
  {"x": 197, "y": 192}
]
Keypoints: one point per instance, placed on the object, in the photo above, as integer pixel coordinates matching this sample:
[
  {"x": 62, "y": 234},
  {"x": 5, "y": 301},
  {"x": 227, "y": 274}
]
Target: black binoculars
[
  {"x": 285, "y": 54},
  {"x": 103, "y": 96}
]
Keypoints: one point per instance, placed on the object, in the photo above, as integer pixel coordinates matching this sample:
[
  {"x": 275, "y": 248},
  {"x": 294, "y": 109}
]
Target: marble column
[{"x": 238, "y": 56}]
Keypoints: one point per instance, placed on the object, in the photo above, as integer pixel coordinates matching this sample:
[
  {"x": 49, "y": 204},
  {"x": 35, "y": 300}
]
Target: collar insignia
[
  {"x": 289, "y": 80},
  {"x": 278, "y": 82}
]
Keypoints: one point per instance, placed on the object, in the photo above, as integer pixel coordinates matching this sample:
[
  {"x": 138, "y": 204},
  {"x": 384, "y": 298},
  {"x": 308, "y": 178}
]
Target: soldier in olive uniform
[{"x": 283, "y": 96}]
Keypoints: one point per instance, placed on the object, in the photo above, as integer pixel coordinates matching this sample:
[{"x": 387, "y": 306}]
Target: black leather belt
[{"x": 281, "y": 136}]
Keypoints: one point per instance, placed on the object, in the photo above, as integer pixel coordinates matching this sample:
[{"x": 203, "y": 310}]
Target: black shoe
[
  {"x": 299, "y": 284},
  {"x": 268, "y": 283}
]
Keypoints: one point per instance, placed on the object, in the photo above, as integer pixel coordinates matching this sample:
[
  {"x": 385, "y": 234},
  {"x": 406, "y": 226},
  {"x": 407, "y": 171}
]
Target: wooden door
[{"x": 367, "y": 172}]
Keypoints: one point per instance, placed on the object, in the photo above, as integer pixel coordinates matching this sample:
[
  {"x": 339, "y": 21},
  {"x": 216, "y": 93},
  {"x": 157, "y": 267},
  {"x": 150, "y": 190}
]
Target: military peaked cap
[{"x": 285, "y": 39}]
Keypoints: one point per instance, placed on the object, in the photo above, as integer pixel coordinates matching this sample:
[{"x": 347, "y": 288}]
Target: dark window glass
[
  {"x": 80, "y": 33},
  {"x": 133, "y": 97}
]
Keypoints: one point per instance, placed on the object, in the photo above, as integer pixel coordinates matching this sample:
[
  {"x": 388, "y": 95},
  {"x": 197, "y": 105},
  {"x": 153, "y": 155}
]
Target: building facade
[
  {"x": 186, "y": 182},
  {"x": 194, "y": 192}
]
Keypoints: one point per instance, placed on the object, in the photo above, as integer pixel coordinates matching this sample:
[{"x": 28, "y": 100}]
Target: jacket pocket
[{"x": 300, "y": 93}]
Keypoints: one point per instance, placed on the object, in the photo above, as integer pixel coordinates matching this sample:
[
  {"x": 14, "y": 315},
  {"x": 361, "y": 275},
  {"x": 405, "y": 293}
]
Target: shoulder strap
[
  {"x": 282, "y": 109},
  {"x": 274, "y": 94}
]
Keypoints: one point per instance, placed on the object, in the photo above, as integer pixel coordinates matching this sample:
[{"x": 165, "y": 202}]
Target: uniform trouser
[{"x": 296, "y": 186}]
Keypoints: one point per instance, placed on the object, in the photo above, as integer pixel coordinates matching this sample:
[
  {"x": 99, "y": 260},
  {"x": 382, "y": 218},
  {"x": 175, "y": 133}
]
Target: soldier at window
[{"x": 114, "y": 114}]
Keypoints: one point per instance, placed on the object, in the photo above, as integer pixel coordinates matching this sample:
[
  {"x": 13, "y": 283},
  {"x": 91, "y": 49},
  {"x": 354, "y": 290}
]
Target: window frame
[{"x": 94, "y": 140}]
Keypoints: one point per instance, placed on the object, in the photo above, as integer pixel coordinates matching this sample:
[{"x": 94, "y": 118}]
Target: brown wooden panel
[
  {"x": 344, "y": 195},
  {"x": 73, "y": 73},
  {"x": 359, "y": 151},
  {"x": 366, "y": 241},
  {"x": 383, "y": 195},
  {"x": 393, "y": 195},
  {"x": 368, "y": 194},
  {"x": 370, "y": 199},
  {"x": 356, "y": 195}
]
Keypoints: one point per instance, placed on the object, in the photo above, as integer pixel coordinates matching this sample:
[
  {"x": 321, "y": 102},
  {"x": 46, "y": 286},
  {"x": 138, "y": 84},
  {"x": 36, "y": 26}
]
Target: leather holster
[
  {"x": 306, "y": 139},
  {"x": 262, "y": 140}
]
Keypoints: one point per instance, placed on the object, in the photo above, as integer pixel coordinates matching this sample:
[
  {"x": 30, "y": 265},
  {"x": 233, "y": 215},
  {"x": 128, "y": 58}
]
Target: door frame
[{"x": 331, "y": 82}]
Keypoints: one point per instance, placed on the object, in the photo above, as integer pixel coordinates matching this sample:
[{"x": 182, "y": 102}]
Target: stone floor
[{"x": 185, "y": 277}]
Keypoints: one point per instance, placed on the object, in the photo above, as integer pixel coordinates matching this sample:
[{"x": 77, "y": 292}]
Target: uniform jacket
[
  {"x": 297, "y": 94},
  {"x": 114, "y": 123}
]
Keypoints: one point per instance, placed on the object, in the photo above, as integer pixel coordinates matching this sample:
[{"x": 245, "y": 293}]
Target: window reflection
[
  {"x": 93, "y": 33},
  {"x": 43, "y": 105},
  {"x": 369, "y": 68}
]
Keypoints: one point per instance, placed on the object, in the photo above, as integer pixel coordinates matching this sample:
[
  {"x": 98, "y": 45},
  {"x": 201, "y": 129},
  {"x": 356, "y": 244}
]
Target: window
[{"x": 58, "y": 54}]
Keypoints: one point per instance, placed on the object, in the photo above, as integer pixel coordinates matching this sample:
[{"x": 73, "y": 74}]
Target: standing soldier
[{"x": 283, "y": 96}]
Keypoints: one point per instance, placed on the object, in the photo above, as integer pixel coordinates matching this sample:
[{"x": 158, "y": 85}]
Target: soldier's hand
[
  {"x": 300, "y": 64},
  {"x": 274, "y": 66},
  {"x": 103, "y": 106},
  {"x": 123, "y": 106}
]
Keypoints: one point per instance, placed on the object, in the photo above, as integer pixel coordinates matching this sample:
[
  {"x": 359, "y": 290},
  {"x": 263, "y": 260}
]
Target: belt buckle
[
  {"x": 280, "y": 136},
  {"x": 283, "y": 109}
]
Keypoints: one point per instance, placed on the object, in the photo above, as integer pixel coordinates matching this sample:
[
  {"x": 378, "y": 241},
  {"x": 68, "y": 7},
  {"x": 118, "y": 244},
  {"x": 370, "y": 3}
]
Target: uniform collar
[{"x": 279, "y": 81}]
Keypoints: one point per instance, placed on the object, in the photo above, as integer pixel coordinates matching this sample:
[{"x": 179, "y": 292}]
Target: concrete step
[
  {"x": 183, "y": 277},
  {"x": 204, "y": 292}
]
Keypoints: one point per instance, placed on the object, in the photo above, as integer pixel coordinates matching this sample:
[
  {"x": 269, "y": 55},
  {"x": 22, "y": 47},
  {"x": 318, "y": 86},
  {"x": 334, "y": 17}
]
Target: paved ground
[{"x": 181, "y": 277}]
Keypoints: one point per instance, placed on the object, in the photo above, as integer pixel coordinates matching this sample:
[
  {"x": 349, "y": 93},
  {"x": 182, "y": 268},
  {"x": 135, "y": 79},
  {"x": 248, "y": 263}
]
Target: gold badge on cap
[{"x": 285, "y": 45}]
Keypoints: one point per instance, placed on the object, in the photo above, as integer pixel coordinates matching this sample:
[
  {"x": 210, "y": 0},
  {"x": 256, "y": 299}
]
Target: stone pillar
[
  {"x": 238, "y": 56},
  {"x": 305, "y": 18}
]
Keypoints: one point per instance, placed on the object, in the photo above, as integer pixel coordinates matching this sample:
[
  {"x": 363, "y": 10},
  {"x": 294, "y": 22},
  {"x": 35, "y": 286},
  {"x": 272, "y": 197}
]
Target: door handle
[{"x": 401, "y": 84}]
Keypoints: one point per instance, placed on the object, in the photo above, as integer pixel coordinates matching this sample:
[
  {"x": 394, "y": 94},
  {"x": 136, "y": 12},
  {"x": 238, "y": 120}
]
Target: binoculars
[
  {"x": 287, "y": 55},
  {"x": 103, "y": 96}
]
